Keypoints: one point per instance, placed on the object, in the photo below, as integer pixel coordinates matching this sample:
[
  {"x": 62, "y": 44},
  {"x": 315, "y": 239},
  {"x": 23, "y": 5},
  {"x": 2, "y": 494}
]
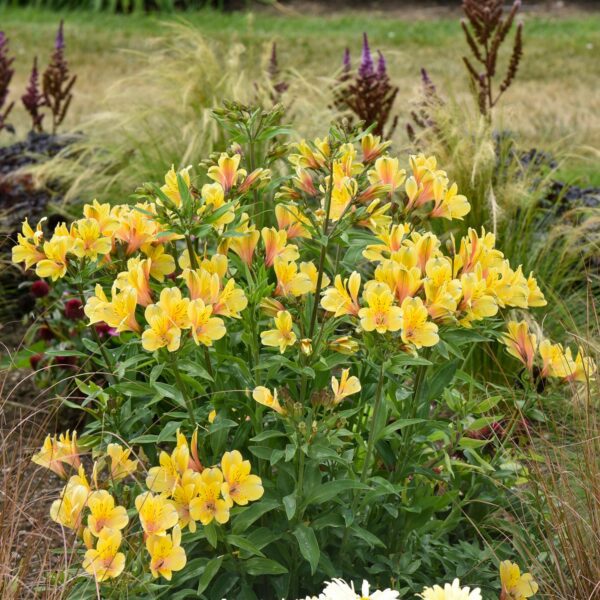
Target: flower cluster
[
  {"x": 180, "y": 492},
  {"x": 556, "y": 361}
]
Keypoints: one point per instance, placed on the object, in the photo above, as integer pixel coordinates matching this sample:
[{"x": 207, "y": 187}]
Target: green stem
[
  {"x": 191, "y": 252},
  {"x": 181, "y": 388},
  {"x": 372, "y": 431}
]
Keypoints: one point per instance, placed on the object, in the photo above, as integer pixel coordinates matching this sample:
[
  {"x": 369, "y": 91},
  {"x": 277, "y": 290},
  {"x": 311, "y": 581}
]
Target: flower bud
[
  {"x": 306, "y": 346},
  {"x": 74, "y": 309},
  {"x": 302, "y": 427},
  {"x": 271, "y": 307},
  {"x": 40, "y": 288},
  {"x": 344, "y": 345}
]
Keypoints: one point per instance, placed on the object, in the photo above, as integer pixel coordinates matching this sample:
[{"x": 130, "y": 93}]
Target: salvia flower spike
[{"x": 33, "y": 99}]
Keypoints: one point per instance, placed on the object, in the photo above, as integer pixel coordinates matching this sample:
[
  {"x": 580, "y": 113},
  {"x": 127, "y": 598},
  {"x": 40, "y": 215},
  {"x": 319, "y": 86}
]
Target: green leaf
[
  {"x": 331, "y": 489},
  {"x": 309, "y": 547},
  {"x": 289, "y": 503},
  {"x": 211, "y": 569},
  {"x": 244, "y": 543},
  {"x": 396, "y": 425},
  {"x": 210, "y": 531},
  {"x": 267, "y": 435},
  {"x": 487, "y": 404},
  {"x": 135, "y": 389},
  {"x": 249, "y": 515},
  {"x": 263, "y": 566}
]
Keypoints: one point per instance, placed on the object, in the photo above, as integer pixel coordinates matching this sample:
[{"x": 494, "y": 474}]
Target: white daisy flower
[
  {"x": 338, "y": 589},
  {"x": 450, "y": 592}
]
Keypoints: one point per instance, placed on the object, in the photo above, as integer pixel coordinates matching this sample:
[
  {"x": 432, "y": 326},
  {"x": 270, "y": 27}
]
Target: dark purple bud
[
  {"x": 35, "y": 360},
  {"x": 45, "y": 333},
  {"x": 366, "y": 67},
  {"x": 273, "y": 66},
  {"x": 346, "y": 63},
  {"x": 59, "y": 43},
  {"x": 381, "y": 66}
]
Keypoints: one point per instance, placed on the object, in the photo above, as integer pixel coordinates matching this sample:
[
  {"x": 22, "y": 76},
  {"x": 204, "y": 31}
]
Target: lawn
[{"x": 554, "y": 100}]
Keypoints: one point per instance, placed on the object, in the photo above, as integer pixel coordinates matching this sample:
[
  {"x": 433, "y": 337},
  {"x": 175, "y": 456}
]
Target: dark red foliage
[
  {"x": 57, "y": 82},
  {"x": 485, "y": 30},
  {"x": 369, "y": 95},
  {"x": 65, "y": 361},
  {"x": 74, "y": 309},
  {"x": 33, "y": 100}
]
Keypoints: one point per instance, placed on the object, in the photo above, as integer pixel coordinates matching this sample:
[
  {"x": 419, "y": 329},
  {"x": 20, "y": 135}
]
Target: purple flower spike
[
  {"x": 366, "y": 67},
  {"x": 59, "y": 44},
  {"x": 346, "y": 63},
  {"x": 381, "y": 66}
]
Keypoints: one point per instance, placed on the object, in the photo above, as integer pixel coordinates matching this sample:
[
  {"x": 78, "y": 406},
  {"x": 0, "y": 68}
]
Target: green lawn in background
[{"x": 554, "y": 101}]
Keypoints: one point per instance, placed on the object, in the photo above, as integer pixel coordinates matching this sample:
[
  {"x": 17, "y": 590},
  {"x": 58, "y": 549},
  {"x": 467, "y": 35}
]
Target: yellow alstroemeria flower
[
  {"x": 520, "y": 343},
  {"x": 477, "y": 250},
  {"x": 584, "y": 368},
  {"x": 387, "y": 171},
  {"x": 290, "y": 282},
  {"x": 89, "y": 240},
  {"x": 535, "y": 297},
  {"x": 156, "y": 513},
  {"x": 392, "y": 239},
  {"x": 121, "y": 465},
  {"x": 381, "y": 315},
  {"x": 55, "y": 251},
  {"x": 166, "y": 554},
  {"x": 240, "y": 486},
  {"x": 516, "y": 586},
  {"x": 205, "y": 328},
  {"x": 263, "y": 396},
  {"x": 226, "y": 171},
  {"x": 311, "y": 155},
  {"x": 183, "y": 494},
  {"x": 556, "y": 361},
  {"x": 416, "y": 329},
  {"x": 372, "y": 146},
  {"x": 214, "y": 198},
  {"x": 136, "y": 227},
  {"x": 119, "y": 312},
  {"x": 346, "y": 386},
  {"x": 50, "y": 456},
  {"x": 344, "y": 345},
  {"x": 292, "y": 221},
  {"x": 227, "y": 301},
  {"x": 282, "y": 336},
  {"x": 165, "y": 477},
  {"x": 342, "y": 298},
  {"x": 450, "y": 204},
  {"x": 161, "y": 263},
  {"x": 166, "y": 319},
  {"x": 276, "y": 246},
  {"x": 341, "y": 197},
  {"x": 208, "y": 504},
  {"x": 403, "y": 282},
  {"x": 137, "y": 277},
  {"x": 476, "y": 302},
  {"x": 310, "y": 269},
  {"x": 425, "y": 247},
  {"x": 26, "y": 250},
  {"x": 104, "y": 514},
  {"x": 68, "y": 509},
  {"x": 171, "y": 187},
  {"x": 104, "y": 215},
  {"x": 105, "y": 561},
  {"x": 245, "y": 241}
]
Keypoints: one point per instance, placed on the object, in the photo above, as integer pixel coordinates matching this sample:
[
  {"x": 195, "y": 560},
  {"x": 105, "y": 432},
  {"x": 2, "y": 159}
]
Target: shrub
[{"x": 314, "y": 325}]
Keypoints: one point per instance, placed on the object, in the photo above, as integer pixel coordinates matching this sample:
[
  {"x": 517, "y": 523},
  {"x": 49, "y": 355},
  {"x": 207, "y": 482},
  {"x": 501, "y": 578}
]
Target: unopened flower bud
[
  {"x": 271, "y": 307},
  {"x": 344, "y": 345},
  {"x": 35, "y": 360},
  {"x": 302, "y": 427},
  {"x": 306, "y": 346}
]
